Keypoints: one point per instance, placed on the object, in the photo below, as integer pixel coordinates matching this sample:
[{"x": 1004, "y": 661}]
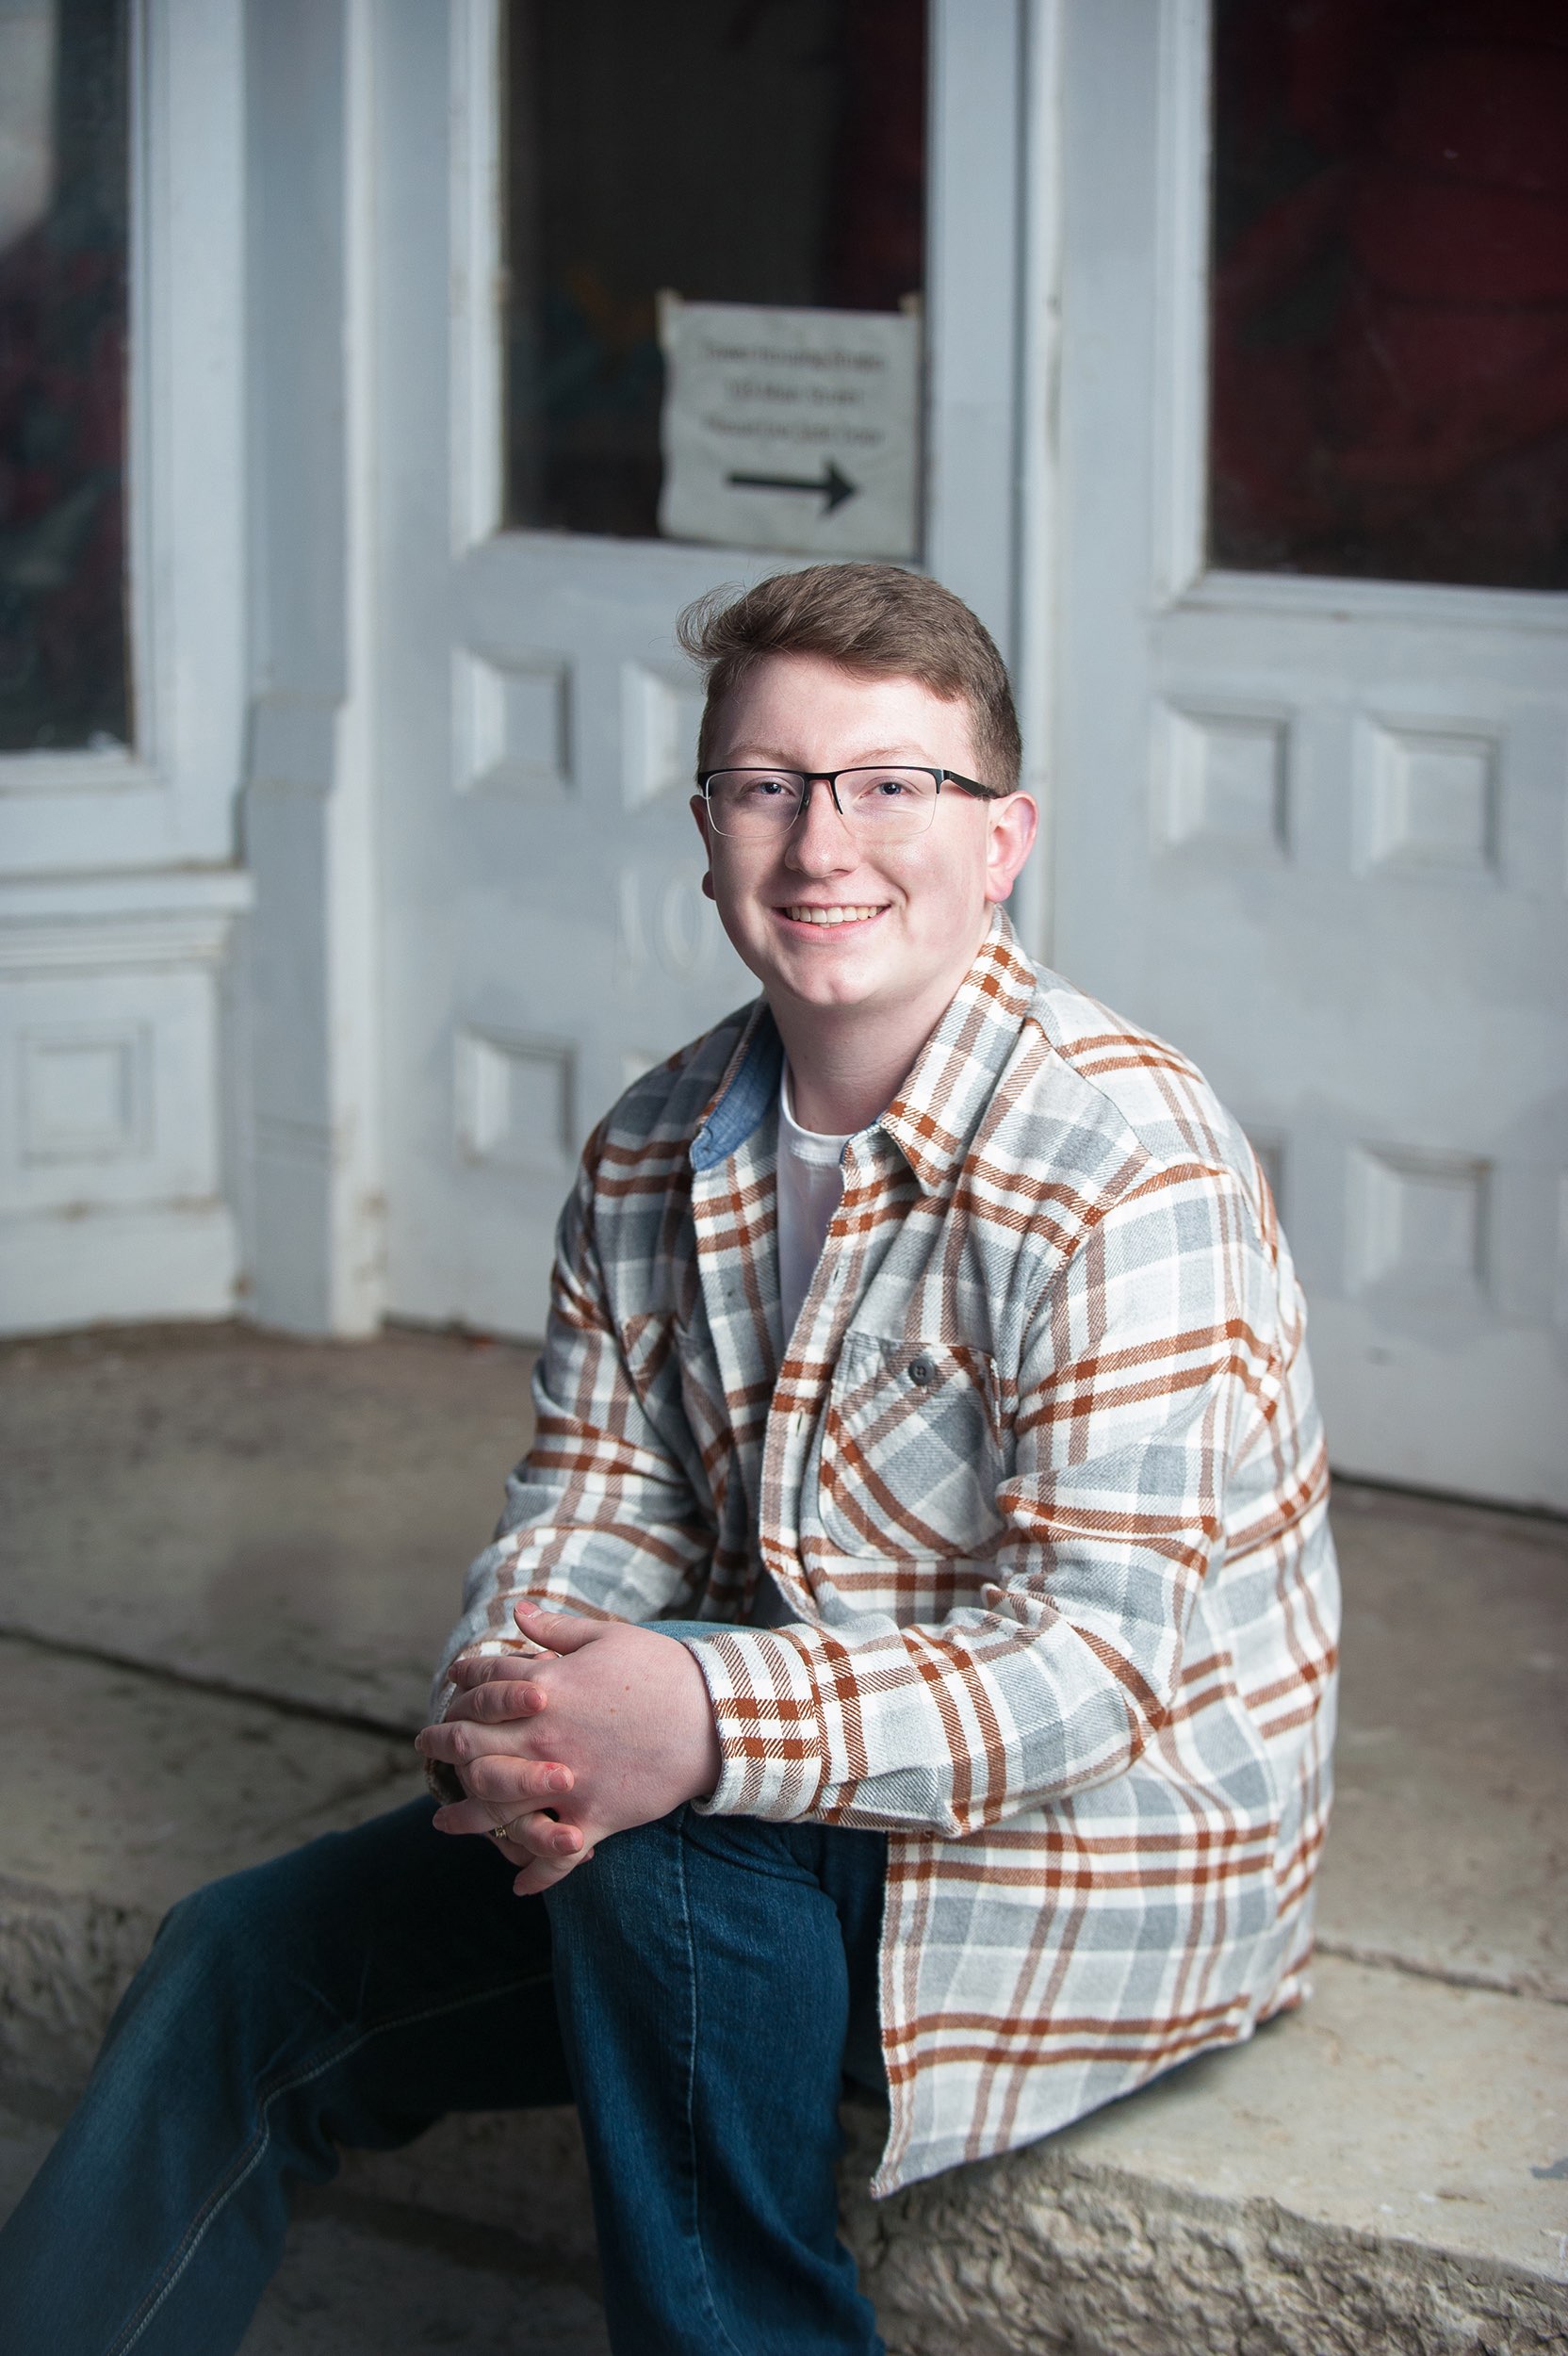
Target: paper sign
[{"x": 793, "y": 429}]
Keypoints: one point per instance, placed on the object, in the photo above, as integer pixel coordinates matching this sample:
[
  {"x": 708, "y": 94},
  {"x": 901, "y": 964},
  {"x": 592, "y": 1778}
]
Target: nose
[{"x": 820, "y": 842}]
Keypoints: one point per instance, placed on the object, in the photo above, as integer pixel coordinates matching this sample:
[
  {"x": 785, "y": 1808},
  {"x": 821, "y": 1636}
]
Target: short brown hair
[{"x": 873, "y": 619}]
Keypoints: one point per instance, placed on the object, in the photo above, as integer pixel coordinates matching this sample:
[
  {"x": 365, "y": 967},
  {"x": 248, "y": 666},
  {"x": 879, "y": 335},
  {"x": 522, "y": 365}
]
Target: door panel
[
  {"x": 544, "y": 933},
  {"x": 1313, "y": 830}
]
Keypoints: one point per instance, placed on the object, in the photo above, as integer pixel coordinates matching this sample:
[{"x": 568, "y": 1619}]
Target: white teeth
[{"x": 830, "y": 916}]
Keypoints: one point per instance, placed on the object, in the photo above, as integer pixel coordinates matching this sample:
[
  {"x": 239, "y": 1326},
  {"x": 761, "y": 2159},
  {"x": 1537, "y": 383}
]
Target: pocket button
[{"x": 923, "y": 1370}]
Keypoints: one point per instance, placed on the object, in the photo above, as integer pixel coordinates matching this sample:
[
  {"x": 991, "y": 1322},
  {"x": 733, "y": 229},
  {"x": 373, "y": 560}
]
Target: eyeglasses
[{"x": 882, "y": 805}]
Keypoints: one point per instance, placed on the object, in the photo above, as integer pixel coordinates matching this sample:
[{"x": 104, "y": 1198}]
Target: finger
[
  {"x": 537, "y": 1837},
  {"x": 518, "y": 1855},
  {"x": 460, "y": 1740},
  {"x": 562, "y": 1632},
  {"x": 513, "y": 1783},
  {"x": 468, "y": 1816},
  {"x": 477, "y": 1668},
  {"x": 539, "y": 1876},
  {"x": 487, "y": 1811},
  {"x": 498, "y": 1699}
]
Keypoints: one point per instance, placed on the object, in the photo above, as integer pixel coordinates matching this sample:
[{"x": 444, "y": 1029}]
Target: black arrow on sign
[{"x": 835, "y": 487}]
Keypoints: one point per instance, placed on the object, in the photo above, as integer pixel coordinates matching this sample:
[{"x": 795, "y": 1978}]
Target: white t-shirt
[{"x": 811, "y": 1187}]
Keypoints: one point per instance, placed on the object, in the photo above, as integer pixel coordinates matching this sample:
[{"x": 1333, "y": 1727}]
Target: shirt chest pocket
[{"x": 911, "y": 1457}]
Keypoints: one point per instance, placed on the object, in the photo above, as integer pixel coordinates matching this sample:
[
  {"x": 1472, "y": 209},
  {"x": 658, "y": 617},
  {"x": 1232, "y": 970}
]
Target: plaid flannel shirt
[{"x": 1040, "y": 1476}]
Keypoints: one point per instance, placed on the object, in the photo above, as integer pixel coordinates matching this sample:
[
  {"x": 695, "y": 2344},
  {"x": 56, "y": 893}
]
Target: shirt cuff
[{"x": 764, "y": 1688}]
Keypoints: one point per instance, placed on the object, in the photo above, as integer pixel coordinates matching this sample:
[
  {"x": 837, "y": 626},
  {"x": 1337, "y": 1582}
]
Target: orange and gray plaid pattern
[{"x": 1041, "y": 1478}]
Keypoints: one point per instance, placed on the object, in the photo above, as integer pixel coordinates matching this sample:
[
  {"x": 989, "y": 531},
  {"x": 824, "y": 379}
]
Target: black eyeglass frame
[{"x": 809, "y": 777}]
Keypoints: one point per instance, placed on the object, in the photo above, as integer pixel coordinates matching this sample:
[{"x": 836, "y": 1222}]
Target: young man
[{"x": 908, "y": 1649}]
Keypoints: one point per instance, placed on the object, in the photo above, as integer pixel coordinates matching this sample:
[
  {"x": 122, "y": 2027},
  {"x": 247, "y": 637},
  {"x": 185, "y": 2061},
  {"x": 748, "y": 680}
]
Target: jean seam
[
  {"x": 262, "y": 2134},
  {"x": 692, "y": 2027}
]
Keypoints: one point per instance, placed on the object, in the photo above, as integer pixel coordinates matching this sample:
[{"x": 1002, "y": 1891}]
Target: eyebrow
[{"x": 863, "y": 759}]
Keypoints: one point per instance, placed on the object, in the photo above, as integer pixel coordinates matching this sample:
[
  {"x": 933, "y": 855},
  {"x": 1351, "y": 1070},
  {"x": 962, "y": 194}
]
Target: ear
[
  {"x": 1010, "y": 830},
  {"x": 700, "y": 812}
]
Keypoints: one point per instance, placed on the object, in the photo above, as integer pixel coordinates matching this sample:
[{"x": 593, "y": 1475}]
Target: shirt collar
[
  {"x": 746, "y": 1095},
  {"x": 933, "y": 1116}
]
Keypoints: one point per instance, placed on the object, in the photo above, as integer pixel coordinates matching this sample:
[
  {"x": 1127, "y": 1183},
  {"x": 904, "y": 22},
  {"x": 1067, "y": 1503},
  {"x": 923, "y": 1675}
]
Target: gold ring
[{"x": 502, "y": 1832}]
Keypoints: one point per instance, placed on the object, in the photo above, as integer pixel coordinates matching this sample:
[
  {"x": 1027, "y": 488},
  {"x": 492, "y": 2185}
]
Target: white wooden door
[
  {"x": 1312, "y": 829},
  {"x": 544, "y": 936}
]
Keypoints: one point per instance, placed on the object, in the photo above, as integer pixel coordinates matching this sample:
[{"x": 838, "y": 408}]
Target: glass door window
[
  {"x": 744, "y": 152},
  {"x": 64, "y": 667},
  {"x": 1390, "y": 279}
]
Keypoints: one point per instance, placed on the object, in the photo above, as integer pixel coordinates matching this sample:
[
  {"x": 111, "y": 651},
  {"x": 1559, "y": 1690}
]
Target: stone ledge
[
  {"x": 63, "y": 1963},
  {"x": 1046, "y": 2254},
  {"x": 1369, "y": 2175}
]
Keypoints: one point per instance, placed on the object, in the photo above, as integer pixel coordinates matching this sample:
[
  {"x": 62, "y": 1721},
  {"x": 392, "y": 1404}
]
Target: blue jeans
[{"x": 695, "y": 1986}]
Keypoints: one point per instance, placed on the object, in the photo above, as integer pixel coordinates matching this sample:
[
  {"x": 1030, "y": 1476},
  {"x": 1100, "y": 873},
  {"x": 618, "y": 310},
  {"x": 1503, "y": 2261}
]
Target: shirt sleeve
[
  {"x": 602, "y": 1515},
  {"x": 1153, "y": 1362}
]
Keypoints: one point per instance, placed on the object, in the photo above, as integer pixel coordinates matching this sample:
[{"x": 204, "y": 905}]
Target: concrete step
[
  {"x": 1380, "y": 2172},
  {"x": 1372, "y": 2174}
]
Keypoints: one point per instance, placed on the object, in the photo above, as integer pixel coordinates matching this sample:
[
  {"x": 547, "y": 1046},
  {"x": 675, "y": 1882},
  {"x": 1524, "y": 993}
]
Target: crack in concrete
[
  {"x": 1521, "y": 1984},
  {"x": 225, "y": 1688}
]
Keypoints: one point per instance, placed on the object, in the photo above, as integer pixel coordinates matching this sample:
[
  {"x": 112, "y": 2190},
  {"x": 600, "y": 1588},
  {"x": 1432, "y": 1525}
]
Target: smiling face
[{"x": 834, "y": 928}]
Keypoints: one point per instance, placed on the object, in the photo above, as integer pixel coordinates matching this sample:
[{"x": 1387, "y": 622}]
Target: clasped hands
[{"x": 609, "y": 1727}]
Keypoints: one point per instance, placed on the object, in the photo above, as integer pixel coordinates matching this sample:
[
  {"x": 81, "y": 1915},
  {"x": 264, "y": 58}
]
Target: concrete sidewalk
[{"x": 232, "y": 1558}]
